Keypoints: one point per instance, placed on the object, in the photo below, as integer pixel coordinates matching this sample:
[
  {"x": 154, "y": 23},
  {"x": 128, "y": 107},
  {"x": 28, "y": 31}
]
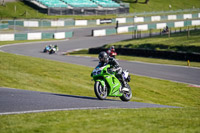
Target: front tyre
[
  {"x": 100, "y": 91},
  {"x": 127, "y": 95}
]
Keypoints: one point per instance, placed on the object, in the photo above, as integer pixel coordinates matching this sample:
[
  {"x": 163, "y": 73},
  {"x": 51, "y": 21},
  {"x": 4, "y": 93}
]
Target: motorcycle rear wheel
[
  {"x": 100, "y": 91},
  {"x": 51, "y": 52},
  {"x": 126, "y": 95}
]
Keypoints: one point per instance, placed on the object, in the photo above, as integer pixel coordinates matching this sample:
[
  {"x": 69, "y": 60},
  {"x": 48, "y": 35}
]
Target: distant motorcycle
[{"x": 51, "y": 49}]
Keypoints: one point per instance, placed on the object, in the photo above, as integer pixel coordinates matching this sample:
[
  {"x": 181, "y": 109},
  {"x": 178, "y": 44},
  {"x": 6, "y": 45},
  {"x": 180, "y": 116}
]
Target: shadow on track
[{"x": 80, "y": 97}]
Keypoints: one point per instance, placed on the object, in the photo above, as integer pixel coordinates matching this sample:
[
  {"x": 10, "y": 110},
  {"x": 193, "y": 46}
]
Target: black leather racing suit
[{"x": 115, "y": 68}]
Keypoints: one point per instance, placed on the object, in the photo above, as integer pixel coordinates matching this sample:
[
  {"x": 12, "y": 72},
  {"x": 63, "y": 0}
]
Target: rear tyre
[
  {"x": 100, "y": 91},
  {"x": 126, "y": 95},
  {"x": 50, "y": 52}
]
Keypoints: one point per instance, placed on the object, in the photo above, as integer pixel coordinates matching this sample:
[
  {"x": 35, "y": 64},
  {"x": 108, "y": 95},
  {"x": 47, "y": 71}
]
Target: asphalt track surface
[
  {"x": 14, "y": 101},
  {"x": 22, "y": 101}
]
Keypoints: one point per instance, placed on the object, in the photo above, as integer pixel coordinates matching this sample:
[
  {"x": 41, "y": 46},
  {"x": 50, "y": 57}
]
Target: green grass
[
  {"x": 8, "y": 11},
  {"x": 30, "y": 73},
  {"x": 162, "y": 5},
  {"x": 35, "y": 74},
  {"x": 105, "y": 121},
  {"x": 177, "y": 42}
]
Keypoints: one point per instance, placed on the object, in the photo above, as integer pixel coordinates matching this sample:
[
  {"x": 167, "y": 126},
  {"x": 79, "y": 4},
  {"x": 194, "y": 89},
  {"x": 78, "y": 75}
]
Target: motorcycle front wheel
[
  {"x": 100, "y": 91},
  {"x": 127, "y": 95}
]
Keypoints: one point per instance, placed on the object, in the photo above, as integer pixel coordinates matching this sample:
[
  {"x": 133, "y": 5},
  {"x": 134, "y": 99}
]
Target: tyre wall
[{"x": 151, "y": 53}]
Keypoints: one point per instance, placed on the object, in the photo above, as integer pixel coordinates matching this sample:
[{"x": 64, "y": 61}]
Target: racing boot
[{"x": 124, "y": 85}]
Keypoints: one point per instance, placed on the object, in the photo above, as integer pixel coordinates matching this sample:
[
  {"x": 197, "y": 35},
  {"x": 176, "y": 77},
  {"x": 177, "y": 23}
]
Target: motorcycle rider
[
  {"x": 105, "y": 59},
  {"x": 111, "y": 52}
]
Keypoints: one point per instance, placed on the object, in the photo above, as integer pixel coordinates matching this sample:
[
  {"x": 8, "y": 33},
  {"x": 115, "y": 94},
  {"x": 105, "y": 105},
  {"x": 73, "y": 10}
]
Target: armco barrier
[
  {"x": 71, "y": 22},
  {"x": 69, "y": 34},
  {"x": 45, "y": 24},
  {"x": 21, "y": 37},
  {"x": 47, "y": 35},
  {"x": 59, "y": 35},
  {"x": 145, "y": 27},
  {"x": 151, "y": 53},
  {"x": 7, "y": 37},
  {"x": 35, "y": 36},
  {"x": 31, "y": 24},
  {"x": 111, "y": 31},
  {"x": 3, "y": 26},
  {"x": 58, "y": 23},
  {"x": 41, "y": 23}
]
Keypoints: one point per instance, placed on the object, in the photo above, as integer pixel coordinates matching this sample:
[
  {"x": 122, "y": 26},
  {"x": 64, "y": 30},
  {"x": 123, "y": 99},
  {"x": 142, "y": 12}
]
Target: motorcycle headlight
[
  {"x": 94, "y": 73},
  {"x": 99, "y": 72}
]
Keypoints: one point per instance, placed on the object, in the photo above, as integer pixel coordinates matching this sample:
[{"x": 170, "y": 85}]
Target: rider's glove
[{"x": 114, "y": 69}]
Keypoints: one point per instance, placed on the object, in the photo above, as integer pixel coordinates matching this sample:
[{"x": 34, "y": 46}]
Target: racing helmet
[
  {"x": 112, "y": 48},
  {"x": 103, "y": 57}
]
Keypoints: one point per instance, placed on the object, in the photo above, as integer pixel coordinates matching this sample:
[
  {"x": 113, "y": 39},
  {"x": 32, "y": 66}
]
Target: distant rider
[
  {"x": 47, "y": 48},
  {"x": 105, "y": 59},
  {"x": 111, "y": 52}
]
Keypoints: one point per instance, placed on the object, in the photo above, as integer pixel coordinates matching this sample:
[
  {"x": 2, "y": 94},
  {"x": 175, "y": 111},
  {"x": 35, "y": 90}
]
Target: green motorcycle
[{"x": 106, "y": 84}]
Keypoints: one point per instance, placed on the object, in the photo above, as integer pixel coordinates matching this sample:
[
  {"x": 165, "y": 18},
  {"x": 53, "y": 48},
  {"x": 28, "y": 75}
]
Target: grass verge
[
  {"x": 21, "y": 10},
  {"x": 98, "y": 121},
  {"x": 50, "y": 76},
  {"x": 176, "y": 42},
  {"x": 160, "y": 5}
]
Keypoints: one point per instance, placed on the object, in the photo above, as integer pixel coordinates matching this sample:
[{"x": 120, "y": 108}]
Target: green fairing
[{"x": 109, "y": 79}]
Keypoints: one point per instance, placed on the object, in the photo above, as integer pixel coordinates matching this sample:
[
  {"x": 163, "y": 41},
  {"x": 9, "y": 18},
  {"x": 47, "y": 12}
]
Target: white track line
[
  {"x": 51, "y": 110},
  {"x": 192, "y": 85}
]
